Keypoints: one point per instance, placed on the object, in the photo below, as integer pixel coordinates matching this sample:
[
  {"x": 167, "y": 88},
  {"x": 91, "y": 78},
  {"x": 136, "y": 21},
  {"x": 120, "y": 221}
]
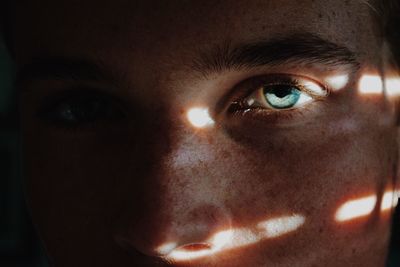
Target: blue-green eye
[
  {"x": 282, "y": 92},
  {"x": 282, "y": 96}
]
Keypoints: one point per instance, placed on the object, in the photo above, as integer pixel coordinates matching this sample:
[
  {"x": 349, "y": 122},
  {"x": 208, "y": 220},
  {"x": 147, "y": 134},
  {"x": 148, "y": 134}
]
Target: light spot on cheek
[
  {"x": 370, "y": 84},
  {"x": 236, "y": 238},
  {"x": 392, "y": 87},
  {"x": 389, "y": 200},
  {"x": 363, "y": 207},
  {"x": 280, "y": 226},
  {"x": 356, "y": 208},
  {"x": 199, "y": 117},
  {"x": 375, "y": 85}
]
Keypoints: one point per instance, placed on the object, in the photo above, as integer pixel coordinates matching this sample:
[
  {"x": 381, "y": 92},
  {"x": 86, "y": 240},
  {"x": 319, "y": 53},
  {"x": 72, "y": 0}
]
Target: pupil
[
  {"x": 281, "y": 90},
  {"x": 84, "y": 110},
  {"x": 281, "y": 96},
  {"x": 80, "y": 110}
]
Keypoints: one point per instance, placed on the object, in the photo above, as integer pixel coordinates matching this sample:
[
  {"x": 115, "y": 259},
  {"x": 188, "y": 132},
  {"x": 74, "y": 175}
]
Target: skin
[{"x": 110, "y": 193}]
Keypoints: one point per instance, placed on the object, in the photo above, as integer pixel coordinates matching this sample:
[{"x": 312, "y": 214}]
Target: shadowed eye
[
  {"x": 78, "y": 109},
  {"x": 284, "y": 92}
]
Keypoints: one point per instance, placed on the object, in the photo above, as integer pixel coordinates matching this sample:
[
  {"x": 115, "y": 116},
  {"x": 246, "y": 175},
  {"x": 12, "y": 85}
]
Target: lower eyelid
[
  {"x": 261, "y": 117},
  {"x": 275, "y": 117}
]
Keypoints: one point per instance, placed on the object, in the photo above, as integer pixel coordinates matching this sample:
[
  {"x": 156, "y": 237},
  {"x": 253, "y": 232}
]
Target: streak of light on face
[
  {"x": 356, "y": 208},
  {"x": 279, "y": 226},
  {"x": 166, "y": 248},
  {"x": 199, "y": 117},
  {"x": 239, "y": 237},
  {"x": 337, "y": 82},
  {"x": 392, "y": 86},
  {"x": 362, "y": 207},
  {"x": 389, "y": 200},
  {"x": 370, "y": 84}
]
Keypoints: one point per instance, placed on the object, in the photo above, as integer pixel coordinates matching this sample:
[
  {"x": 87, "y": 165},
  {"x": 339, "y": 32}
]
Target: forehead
[
  {"x": 172, "y": 25},
  {"x": 153, "y": 44}
]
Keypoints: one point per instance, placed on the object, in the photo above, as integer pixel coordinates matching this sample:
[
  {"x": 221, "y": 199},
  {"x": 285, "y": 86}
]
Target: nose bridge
[
  {"x": 184, "y": 153},
  {"x": 179, "y": 204},
  {"x": 187, "y": 169},
  {"x": 186, "y": 172}
]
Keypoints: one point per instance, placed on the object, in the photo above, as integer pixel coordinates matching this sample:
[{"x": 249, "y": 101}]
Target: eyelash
[
  {"x": 240, "y": 107},
  {"x": 81, "y": 99}
]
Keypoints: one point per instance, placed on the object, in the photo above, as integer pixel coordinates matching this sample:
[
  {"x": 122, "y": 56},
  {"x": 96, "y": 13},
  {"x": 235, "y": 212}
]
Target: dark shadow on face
[{"x": 292, "y": 123}]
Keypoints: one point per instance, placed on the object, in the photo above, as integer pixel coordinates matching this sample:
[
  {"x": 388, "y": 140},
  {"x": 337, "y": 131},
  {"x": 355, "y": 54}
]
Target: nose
[
  {"x": 177, "y": 212},
  {"x": 177, "y": 202},
  {"x": 199, "y": 225},
  {"x": 191, "y": 231}
]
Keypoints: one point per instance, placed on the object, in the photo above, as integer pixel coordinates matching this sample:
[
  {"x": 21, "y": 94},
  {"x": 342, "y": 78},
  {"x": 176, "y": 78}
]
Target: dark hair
[{"x": 387, "y": 13}]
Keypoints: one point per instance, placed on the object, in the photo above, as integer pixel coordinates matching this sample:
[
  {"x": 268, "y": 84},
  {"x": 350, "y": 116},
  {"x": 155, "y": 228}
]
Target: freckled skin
[{"x": 111, "y": 197}]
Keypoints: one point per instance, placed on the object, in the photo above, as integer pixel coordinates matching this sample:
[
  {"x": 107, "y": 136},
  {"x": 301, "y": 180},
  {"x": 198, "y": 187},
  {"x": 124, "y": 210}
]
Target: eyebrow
[
  {"x": 301, "y": 49},
  {"x": 48, "y": 68},
  {"x": 305, "y": 48}
]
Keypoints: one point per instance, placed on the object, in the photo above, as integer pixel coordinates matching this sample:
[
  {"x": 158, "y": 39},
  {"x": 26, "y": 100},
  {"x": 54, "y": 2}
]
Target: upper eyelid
[
  {"x": 325, "y": 90},
  {"x": 292, "y": 79},
  {"x": 245, "y": 88}
]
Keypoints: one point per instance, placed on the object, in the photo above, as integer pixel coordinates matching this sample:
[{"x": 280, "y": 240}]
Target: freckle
[
  {"x": 225, "y": 154},
  {"x": 320, "y": 15},
  {"x": 354, "y": 250},
  {"x": 321, "y": 230}
]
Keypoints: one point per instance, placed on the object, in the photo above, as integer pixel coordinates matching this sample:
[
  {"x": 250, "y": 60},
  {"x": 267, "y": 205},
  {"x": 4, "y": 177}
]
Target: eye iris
[
  {"x": 281, "y": 96},
  {"x": 80, "y": 110}
]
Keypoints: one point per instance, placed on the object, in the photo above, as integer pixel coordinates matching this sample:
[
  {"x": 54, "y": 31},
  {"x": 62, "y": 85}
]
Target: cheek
[
  {"x": 72, "y": 182},
  {"x": 311, "y": 174},
  {"x": 314, "y": 174}
]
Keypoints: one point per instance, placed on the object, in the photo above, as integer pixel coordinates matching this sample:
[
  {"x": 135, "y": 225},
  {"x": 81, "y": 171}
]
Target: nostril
[
  {"x": 193, "y": 247},
  {"x": 185, "y": 235},
  {"x": 190, "y": 251}
]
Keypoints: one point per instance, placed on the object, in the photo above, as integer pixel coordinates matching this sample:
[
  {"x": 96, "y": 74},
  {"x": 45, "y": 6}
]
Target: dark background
[{"x": 19, "y": 245}]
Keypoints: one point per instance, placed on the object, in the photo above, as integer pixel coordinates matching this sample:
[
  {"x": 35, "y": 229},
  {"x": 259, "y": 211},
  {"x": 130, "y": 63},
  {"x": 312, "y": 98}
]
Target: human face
[{"x": 286, "y": 162}]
